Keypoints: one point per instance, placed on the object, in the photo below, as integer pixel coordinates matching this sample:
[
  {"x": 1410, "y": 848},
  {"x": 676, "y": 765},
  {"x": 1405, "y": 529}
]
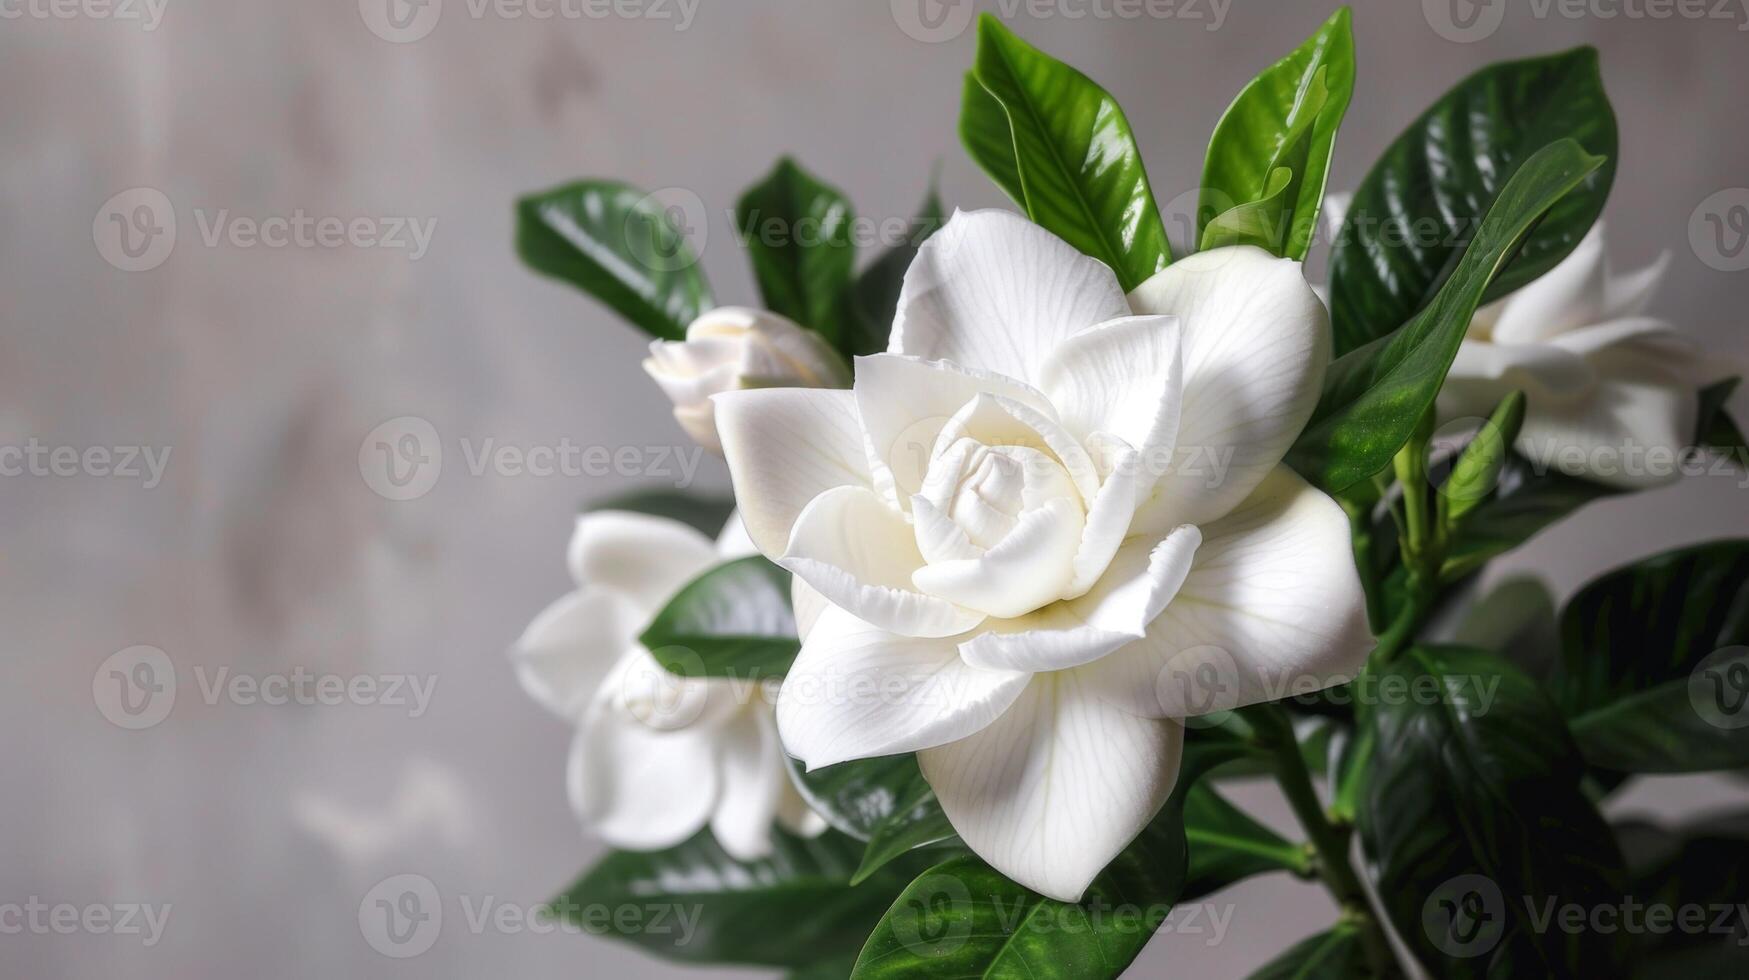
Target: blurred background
[{"x": 242, "y": 378}]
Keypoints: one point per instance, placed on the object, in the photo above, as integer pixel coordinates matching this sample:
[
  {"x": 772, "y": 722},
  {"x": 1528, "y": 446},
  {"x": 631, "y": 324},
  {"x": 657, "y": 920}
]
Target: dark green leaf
[
  {"x": 621, "y": 246},
  {"x": 1337, "y": 955},
  {"x": 1080, "y": 174},
  {"x": 1654, "y": 672},
  {"x": 1227, "y": 845},
  {"x": 733, "y": 621},
  {"x": 790, "y": 909},
  {"x": 1375, "y": 396},
  {"x": 797, "y": 231},
  {"x": 916, "y": 821},
  {"x": 1704, "y": 864},
  {"x": 963, "y": 919},
  {"x": 1286, "y": 117},
  {"x": 874, "y": 299},
  {"x": 1475, "y": 792},
  {"x": 707, "y": 515},
  {"x": 857, "y": 797},
  {"x": 1413, "y": 213}
]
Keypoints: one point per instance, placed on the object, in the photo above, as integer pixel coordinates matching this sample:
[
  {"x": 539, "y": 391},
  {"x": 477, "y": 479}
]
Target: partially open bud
[{"x": 733, "y": 347}]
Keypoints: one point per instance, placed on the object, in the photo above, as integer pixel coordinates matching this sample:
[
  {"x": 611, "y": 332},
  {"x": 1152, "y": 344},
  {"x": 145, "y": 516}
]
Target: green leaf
[
  {"x": 1477, "y": 469},
  {"x": 1414, "y": 210},
  {"x": 1704, "y": 864},
  {"x": 1262, "y": 222},
  {"x": 1480, "y": 784},
  {"x": 1661, "y": 729},
  {"x": 733, "y": 621},
  {"x": 618, "y": 244},
  {"x": 874, "y": 299},
  {"x": 916, "y": 820},
  {"x": 988, "y": 139},
  {"x": 1337, "y": 954},
  {"x": 963, "y": 919},
  {"x": 858, "y": 797},
  {"x": 797, "y": 231},
  {"x": 836, "y": 968},
  {"x": 1075, "y": 159},
  {"x": 790, "y": 909},
  {"x": 1286, "y": 117},
  {"x": 705, "y": 514},
  {"x": 1654, "y": 669},
  {"x": 1527, "y": 498},
  {"x": 1374, "y": 396},
  {"x": 1227, "y": 845}
]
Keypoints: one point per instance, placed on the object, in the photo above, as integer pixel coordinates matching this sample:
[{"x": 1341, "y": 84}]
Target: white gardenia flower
[
  {"x": 1603, "y": 383},
  {"x": 1019, "y": 583},
  {"x": 656, "y": 757},
  {"x": 733, "y": 347}
]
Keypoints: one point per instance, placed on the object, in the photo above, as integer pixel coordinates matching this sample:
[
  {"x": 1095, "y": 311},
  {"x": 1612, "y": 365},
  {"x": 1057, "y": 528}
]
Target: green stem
[{"x": 1329, "y": 841}]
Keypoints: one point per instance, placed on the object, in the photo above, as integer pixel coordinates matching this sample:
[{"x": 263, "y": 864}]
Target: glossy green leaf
[
  {"x": 733, "y": 621},
  {"x": 1260, "y": 223},
  {"x": 1654, "y": 671},
  {"x": 1476, "y": 470},
  {"x": 790, "y": 909},
  {"x": 836, "y": 968},
  {"x": 1286, "y": 118},
  {"x": 915, "y": 820},
  {"x": 1228, "y": 845},
  {"x": 705, "y": 514},
  {"x": 1336, "y": 954},
  {"x": 1375, "y": 396},
  {"x": 1660, "y": 730},
  {"x": 621, "y": 246},
  {"x": 988, "y": 138},
  {"x": 1704, "y": 864},
  {"x": 1414, "y": 211},
  {"x": 857, "y": 797},
  {"x": 963, "y": 919},
  {"x": 797, "y": 232},
  {"x": 1484, "y": 780},
  {"x": 1075, "y": 160},
  {"x": 873, "y": 300}
]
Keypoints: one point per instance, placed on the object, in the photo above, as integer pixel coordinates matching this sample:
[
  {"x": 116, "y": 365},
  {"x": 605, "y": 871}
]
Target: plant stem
[{"x": 1329, "y": 841}]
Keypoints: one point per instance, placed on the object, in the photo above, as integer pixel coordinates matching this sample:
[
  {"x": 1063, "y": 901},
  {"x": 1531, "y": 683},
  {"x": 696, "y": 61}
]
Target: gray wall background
[{"x": 264, "y": 550}]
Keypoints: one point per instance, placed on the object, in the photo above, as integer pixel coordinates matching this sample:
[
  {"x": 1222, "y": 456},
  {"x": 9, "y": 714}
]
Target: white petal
[
  {"x": 991, "y": 290},
  {"x": 1629, "y": 295},
  {"x": 641, "y": 788},
  {"x": 1135, "y": 590},
  {"x": 1628, "y": 433},
  {"x": 995, "y": 420},
  {"x": 1483, "y": 373},
  {"x": 1029, "y": 567},
  {"x": 786, "y": 446},
  {"x": 641, "y": 556},
  {"x": 856, "y": 692},
  {"x": 1109, "y": 517},
  {"x": 1646, "y": 333},
  {"x": 860, "y": 554},
  {"x": 1569, "y": 295},
  {"x": 568, "y": 650},
  {"x": 1058, "y": 786},
  {"x": 807, "y": 603},
  {"x": 1272, "y": 607},
  {"x": 1256, "y": 344},
  {"x": 754, "y": 782},
  {"x": 1124, "y": 377},
  {"x": 905, "y": 402}
]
